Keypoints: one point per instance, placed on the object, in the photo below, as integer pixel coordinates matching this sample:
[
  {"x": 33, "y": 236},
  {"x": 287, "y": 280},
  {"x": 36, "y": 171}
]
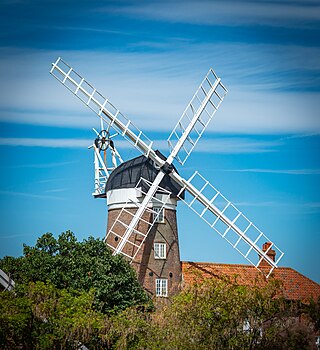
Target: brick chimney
[{"x": 271, "y": 254}]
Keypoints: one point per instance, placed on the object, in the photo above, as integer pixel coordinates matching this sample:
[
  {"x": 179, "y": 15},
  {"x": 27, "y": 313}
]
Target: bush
[{"x": 79, "y": 266}]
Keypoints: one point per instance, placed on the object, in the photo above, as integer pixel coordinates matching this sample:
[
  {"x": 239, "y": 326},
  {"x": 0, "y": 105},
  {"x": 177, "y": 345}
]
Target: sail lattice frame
[
  {"x": 101, "y": 174},
  {"x": 229, "y": 222},
  {"x": 100, "y": 105},
  {"x": 197, "y": 115}
]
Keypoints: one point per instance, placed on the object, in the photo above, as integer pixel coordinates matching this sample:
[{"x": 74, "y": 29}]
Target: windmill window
[
  {"x": 158, "y": 215},
  {"x": 161, "y": 287},
  {"x": 160, "y": 251}
]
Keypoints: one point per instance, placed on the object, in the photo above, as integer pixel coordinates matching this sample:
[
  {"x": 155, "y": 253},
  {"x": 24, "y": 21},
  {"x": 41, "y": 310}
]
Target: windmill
[{"x": 136, "y": 216}]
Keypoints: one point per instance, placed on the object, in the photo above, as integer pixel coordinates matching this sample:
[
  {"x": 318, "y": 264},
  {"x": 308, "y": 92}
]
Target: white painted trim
[
  {"x": 161, "y": 214},
  {"x": 159, "y": 245},
  {"x": 120, "y": 198},
  {"x": 161, "y": 287}
]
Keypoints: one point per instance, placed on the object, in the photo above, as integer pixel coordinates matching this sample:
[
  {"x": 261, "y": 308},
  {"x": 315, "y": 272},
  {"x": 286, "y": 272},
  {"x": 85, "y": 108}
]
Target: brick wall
[{"x": 148, "y": 268}]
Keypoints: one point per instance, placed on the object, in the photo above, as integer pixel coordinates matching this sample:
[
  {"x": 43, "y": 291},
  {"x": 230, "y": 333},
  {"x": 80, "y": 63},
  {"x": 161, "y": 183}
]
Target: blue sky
[{"x": 261, "y": 150}]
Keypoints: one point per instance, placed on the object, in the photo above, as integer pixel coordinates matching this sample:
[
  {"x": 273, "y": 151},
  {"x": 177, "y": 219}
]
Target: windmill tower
[
  {"x": 145, "y": 190},
  {"x": 153, "y": 248}
]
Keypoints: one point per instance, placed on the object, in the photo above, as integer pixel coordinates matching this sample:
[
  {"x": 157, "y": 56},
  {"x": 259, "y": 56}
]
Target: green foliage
[
  {"x": 133, "y": 329},
  {"x": 207, "y": 316},
  {"x": 78, "y": 266},
  {"x": 69, "y": 293},
  {"x": 212, "y": 316},
  {"x": 15, "y": 320},
  {"x": 313, "y": 311},
  {"x": 45, "y": 317},
  {"x": 215, "y": 313}
]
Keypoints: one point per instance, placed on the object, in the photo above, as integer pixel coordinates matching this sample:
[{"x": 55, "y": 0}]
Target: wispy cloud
[
  {"x": 16, "y": 235},
  {"x": 270, "y": 13},
  {"x": 310, "y": 207},
  {"x": 49, "y": 180},
  {"x": 54, "y": 143},
  {"x": 260, "y": 204},
  {"x": 278, "y": 171},
  {"x": 299, "y": 136},
  {"x": 89, "y": 29},
  {"x": 55, "y": 190},
  {"x": 51, "y": 143},
  {"x": 29, "y": 195},
  {"x": 37, "y": 166},
  {"x": 225, "y": 145},
  {"x": 235, "y": 145},
  {"x": 167, "y": 80}
]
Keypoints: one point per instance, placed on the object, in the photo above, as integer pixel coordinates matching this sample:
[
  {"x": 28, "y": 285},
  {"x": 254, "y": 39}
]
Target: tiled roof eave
[{"x": 295, "y": 285}]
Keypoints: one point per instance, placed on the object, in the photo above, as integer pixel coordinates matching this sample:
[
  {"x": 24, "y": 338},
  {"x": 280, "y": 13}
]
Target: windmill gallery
[{"x": 142, "y": 193}]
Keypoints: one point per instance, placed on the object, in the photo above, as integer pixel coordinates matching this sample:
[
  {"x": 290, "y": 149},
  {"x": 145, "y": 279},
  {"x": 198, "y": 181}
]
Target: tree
[
  {"x": 78, "y": 266},
  {"x": 216, "y": 314},
  {"x": 313, "y": 312},
  {"x": 45, "y": 317},
  {"x": 94, "y": 298}
]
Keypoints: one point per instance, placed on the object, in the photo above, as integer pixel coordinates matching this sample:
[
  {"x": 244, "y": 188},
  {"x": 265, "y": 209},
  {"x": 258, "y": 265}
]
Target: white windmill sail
[
  {"x": 227, "y": 220},
  {"x": 224, "y": 218},
  {"x": 197, "y": 115},
  {"x": 115, "y": 119},
  {"x": 101, "y": 106}
]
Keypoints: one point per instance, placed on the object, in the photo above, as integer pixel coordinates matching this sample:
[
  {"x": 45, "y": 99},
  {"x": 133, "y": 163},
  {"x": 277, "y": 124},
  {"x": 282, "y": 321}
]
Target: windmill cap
[{"x": 128, "y": 174}]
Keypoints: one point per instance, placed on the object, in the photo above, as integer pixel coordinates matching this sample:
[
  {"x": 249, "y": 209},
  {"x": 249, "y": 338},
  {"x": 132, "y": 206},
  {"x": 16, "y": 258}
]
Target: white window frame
[
  {"x": 160, "y": 218},
  {"x": 161, "y": 287},
  {"x": 160, "y": 250}
]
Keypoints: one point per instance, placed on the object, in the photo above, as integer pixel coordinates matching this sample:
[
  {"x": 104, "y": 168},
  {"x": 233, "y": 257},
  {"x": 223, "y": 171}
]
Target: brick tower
[{"x": 157, "y": 263}]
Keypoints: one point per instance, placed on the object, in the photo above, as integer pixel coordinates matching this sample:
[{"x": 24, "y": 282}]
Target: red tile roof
[{"x": 295, "y": 285}]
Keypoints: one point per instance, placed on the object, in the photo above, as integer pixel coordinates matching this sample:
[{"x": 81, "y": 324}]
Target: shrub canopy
[{"x": 78, "y": 266}]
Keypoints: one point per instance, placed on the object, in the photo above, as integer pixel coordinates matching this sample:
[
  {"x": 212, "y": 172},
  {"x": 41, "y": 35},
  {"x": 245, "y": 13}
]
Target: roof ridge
[
  {"x": 215, "y": 263},
  {"x": 244, "y": 265}
]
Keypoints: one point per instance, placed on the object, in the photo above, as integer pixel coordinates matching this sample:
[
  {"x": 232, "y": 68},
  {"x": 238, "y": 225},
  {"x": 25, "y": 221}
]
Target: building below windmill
[
  {"x": 295, "y": 286},
  {"x": 157, "y": 262}
]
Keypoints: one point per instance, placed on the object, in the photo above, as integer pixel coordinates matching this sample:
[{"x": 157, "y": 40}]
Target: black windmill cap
[{"x": 128, "y": 174}]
